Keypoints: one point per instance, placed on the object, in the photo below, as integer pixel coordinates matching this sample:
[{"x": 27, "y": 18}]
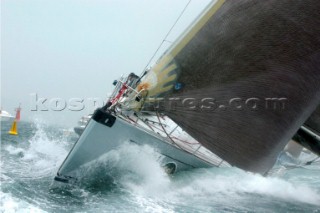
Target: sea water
[{"x": 130, "y": 179}]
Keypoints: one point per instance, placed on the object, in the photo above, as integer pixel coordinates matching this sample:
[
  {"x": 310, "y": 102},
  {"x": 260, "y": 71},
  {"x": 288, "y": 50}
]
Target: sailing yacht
[
  {"x": 221, "y": 82},
  {"x": 6, "y": 116},
  {"x": 113, "y": 125},
  {"x": 82, "y": 124}
]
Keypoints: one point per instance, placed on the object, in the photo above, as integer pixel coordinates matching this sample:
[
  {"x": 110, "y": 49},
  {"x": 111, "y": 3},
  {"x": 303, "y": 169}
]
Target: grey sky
[{"x": 76, "y": 48}]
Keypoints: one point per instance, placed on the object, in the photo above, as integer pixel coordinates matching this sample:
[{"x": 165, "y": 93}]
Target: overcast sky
[{"x": 76, "y": 48}]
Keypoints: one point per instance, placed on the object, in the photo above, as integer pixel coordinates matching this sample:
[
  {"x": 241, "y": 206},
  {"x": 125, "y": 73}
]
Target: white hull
[
  {"x": 5, "y": 116},
  {"x": 99, "y": 138}
]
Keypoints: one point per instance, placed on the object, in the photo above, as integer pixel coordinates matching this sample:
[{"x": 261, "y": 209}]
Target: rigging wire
[
  {"x": 173, "y": 142},
  {"x": 312, "y": 161},
  {"x": 165, "y": 38}
]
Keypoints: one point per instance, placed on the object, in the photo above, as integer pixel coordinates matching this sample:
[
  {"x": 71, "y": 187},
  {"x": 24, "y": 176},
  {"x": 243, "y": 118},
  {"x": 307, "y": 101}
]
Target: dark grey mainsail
[{"x": 244, "y": 78}]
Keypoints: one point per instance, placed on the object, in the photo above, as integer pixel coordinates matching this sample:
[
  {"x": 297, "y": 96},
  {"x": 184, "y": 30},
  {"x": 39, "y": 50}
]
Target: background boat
[{"x": 5, "y": 116}]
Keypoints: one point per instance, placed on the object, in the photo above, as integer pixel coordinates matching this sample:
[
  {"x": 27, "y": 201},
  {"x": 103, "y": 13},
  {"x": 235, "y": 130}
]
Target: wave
[{"x": 138, "y": 170}]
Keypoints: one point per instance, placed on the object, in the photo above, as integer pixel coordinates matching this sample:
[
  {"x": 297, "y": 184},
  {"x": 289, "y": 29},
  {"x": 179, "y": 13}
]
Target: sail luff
[{"x": 192, "y": 30}]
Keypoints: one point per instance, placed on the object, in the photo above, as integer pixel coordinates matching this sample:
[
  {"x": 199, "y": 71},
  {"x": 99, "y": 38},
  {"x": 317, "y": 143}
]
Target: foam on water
[
  {"x": 44, "y": 155},
  {"x": 134, "y": 167},
  {"x": 143, "y": 162},
  {"x": 31, "y": 161},
  {"x": 142, "y": 175},
  {"x": 141, "y": 183},
  {"x": 10, "y": 204},
  {"x": 238, "y": 183},
  {"x": 14, "y": 151}
]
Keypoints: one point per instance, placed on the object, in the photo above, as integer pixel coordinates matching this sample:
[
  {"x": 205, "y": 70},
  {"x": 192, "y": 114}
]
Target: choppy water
[{"x": 131, "y": 180}]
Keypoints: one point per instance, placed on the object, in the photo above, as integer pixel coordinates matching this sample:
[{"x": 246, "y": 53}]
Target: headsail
[
  {"x": 313, "y": 121},
  {"x": 229, "y": 71}
]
